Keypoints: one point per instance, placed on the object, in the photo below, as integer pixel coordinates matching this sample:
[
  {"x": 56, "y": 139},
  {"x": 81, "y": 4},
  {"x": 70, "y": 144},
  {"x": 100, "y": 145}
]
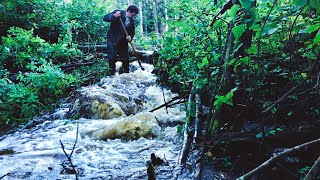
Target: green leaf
[
  {"x": 269, "y": 31},
  {"x": 214, "y": 72},
  {"x": 274, "y": 110},
  {"x": 253, "y": 49},
  {"x": 300, "y": 2},
  {"x": 312, "y": 28},
  {"x": 259, "y": 135},
  {"x": 290, "y": 113},
  {"x": 233, "y": 11},
  {"x": 315, "y": 4},
  {"x": 304, "y": 75},
  {"x": 246, "y": 3},
  {"x": 255, "y": 27},
  {"x": 179, "y": 38},
  {"x": 205, "y": 61},
  {"x": 245, "y": 60},
  {"x": 273, "y": 132},
  {"x": 317, "y": 38},
  {"x": 239, "y": 30},
  {"x": 170, "y": 40},
  {"x": 180, "y": 128}
]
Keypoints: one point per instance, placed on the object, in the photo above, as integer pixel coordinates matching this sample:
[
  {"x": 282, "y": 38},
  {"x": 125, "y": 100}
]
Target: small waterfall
[{"x": 117, "y": 133}]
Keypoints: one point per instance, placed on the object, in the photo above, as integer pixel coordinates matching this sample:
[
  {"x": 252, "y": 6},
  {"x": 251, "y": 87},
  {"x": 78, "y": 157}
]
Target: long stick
[
  {"x": 278, "y": 156},
  {"x": 134, "y": 50}
]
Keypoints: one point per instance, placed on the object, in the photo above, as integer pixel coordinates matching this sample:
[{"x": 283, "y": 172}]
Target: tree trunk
[
  {"x": 141, "y": 18},
  {"x": 166, "y": 26},
  {"x": 155, "y": 16}
]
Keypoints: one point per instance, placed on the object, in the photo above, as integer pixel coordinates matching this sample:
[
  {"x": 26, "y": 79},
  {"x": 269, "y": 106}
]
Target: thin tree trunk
[
  {"x": 141, "y": 18},
  {"x": 188, "y": 129},
  {"x": 166, "y": 27},
  {"x": 155, "y": 16},
  {"x": 197, "y": 130}
]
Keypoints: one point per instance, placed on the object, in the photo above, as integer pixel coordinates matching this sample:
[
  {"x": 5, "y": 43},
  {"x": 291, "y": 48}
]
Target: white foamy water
[{"x": 121, "y": 111}]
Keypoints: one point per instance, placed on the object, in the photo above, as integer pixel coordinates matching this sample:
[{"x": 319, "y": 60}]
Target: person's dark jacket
[{"x": 116, "y": 32}]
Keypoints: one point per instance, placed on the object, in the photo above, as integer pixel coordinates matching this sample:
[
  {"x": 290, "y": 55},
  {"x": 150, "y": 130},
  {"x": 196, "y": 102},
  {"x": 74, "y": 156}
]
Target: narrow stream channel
[{"x": 117, "y": 133}]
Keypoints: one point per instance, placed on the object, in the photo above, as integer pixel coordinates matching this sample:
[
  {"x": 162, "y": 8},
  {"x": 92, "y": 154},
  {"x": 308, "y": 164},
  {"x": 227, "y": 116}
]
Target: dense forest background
[{"x": 254, "y": 65}]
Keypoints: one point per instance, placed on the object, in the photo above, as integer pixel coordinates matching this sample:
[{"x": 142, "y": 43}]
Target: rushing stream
[{"x": 116, "y": 134}]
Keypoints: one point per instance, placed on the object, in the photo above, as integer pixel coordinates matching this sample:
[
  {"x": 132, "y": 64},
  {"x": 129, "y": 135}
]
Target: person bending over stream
[{"x": 117, "y": 41}]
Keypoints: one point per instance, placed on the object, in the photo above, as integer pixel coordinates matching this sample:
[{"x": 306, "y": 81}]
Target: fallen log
[
  {"x": 142, "y": 54},
  {"x": 76, "y": 65}
]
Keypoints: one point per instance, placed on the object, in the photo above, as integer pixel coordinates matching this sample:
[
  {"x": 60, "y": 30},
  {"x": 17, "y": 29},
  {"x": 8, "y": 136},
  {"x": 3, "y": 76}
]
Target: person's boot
[{"x": 125, "y": 65}]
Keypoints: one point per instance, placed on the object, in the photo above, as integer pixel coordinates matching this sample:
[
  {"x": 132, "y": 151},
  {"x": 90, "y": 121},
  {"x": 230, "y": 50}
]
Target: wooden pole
[{"x": 134, "y": 50}]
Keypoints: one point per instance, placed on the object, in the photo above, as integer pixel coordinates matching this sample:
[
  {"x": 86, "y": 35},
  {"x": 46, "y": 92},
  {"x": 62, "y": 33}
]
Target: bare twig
[
  {"x": 76, "y": 65},
  {"x": 278, "y": 156},
  {"x": 292, "y": 89},
  {"x": 4, "y": 175},
  {"x": 164, "y": 99},
  {"x": 295, "y": 20},
  {"x": 264, "y": 23},
  {"x": 75, "y": 142},
  {"x": 69, "y": 156},
  {"x": 170, "y": 103}
]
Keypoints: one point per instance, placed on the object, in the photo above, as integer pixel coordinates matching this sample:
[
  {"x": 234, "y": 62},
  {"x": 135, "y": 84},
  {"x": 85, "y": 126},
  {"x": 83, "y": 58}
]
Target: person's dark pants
[{"x": 120, "y": 49}]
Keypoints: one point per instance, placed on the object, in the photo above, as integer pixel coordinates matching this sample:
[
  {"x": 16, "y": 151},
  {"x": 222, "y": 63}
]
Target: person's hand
[
  {"x": 117, "y": 14},
  {"x": 128, "y": 38}
]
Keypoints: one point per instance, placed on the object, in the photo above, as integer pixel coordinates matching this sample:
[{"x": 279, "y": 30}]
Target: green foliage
[
  {"x": 88, "y": 75},
  {"x": 303, "y": 171},
  {"x": 20, "y": 48},
  {"x": 17, "y": 102},
  {"x": 270, "y": 132},
  {"x": 273, "y": 47},
  {"x": 49, "y": 83},
  {"x": 246, "y": 3},
  {"x": 44, "y": 83},
  {"x": 226, "y": 99},
  {"x": 36, "y": 92},
  {"x": 180, "y": 129}
]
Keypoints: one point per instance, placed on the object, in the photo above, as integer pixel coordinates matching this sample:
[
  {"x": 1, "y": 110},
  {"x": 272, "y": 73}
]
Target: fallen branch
[
  {"x": 197, "y": 115},
  {"x": 76, "y": 65},
  {"x": 314, "y": 172},
  {"x": 69, "y": 156},
  {"x": 170, "y": 103},
  {"x": 278, "y": 156}
]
